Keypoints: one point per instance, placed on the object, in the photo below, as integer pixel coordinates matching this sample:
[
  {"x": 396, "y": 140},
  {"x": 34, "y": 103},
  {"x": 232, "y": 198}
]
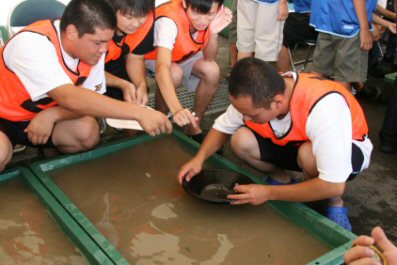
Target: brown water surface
[
  {"x": 28, "y": 234},
  {"x": 134, "y": 198}
]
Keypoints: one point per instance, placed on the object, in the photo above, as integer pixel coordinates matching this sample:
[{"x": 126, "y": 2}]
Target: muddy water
[
  {"x": 28, "y": 234},
  {"x": 134, "y": 198}
]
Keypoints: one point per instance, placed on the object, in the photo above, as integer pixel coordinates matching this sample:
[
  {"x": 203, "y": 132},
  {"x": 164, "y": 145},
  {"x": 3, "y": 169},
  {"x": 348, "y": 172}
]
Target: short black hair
[
  {"x": 202, "y": 6},
  {"x": 87, "y": 15},
  {"x": 257, "y": 79},
  {"x": 136, "y": 8}
]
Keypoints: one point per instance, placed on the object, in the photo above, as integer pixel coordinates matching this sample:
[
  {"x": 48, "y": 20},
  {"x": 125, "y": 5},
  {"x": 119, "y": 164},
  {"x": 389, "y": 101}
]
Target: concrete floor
[{"x": 371, "y": 197}]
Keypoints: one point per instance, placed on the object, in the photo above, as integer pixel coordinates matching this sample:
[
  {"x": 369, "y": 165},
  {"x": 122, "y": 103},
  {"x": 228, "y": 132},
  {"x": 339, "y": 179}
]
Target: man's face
[
  {"x": 129, "y": 24},
  {"x": 258, "y": 115},
  {"x": 90, "y": 47},
  {"x": 200, "y": 21}
]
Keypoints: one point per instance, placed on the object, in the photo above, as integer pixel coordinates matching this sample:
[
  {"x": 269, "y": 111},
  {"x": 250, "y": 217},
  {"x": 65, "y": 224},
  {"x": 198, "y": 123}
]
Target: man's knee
[
  {"x": 5, "y": 151},
  {"x": 243, "y": 143},
  {"x": 88, "y": 135},
  {"x": 176, "y": 75},
  {"x": 307, "y": 161},
  {"x": 211, "y": 72}
]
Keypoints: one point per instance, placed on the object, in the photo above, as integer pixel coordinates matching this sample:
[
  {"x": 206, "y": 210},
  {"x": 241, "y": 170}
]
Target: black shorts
[
  {"x": 15, "y": 132},
  {"x": 298, "y": 30},
  {"x": 286, "y": 157},
  {"x": 118, "y": 69}
]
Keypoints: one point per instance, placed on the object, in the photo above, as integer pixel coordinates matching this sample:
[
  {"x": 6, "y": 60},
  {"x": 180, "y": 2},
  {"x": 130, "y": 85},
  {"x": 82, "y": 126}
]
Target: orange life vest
[
  {"x": 309, "y": 90},
  {"x": 130, "y": 41},
  {"x": 15, "y": 101},
  {"x": 185, "y": 45}
]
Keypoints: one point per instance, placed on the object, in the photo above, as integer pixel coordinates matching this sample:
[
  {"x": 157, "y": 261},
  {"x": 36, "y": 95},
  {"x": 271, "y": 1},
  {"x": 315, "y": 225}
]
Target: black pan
[{"x": 213, "y": 185}]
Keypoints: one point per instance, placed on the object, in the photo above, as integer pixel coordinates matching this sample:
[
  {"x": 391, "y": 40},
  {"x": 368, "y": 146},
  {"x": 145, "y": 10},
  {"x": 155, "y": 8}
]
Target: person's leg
[
  {"x": 245, "y": 146},
  {"x": 70, "y": 136},
  {"x": 246, "y": 13},
  {"x": 269, "y": 39},
  {"x": 388, "y": 132},
  {"x": 284, "y": 62},
  {"x": 324, "y": 56},
  {"x": 258, "y": 152},
  {"x": 5, "y": 151},
  {"x": 233, "y": 36},
  {"x": 209, "y": 73},
  {"x": 353, "y": 70},
  {"x": 297, "y": 30}
]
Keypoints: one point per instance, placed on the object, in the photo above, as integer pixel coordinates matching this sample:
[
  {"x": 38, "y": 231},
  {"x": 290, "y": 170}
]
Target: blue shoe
[
  {"x": 339, "y": 216},
  {"x": 272, "y": 181}
]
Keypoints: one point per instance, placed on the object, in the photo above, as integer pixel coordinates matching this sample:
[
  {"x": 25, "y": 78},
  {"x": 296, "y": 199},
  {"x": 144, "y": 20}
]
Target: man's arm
[
  {"x": 182, "y": 116},
  {"x": 164, "y": 79},
  {"x": 311, "y": 190},
  {"x": 387, "y": 13},
  {"x": 212, "y": 143},
  {"x": 384, "y": 23},
  {"x": 365, "y": 34},
  {"x": 41, "y": 126},
  {"x": 87, "y": 102}
]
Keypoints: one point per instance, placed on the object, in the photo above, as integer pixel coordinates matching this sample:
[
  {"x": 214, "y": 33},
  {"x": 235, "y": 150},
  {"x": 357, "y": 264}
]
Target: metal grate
[{"x": 219, "y": 103}]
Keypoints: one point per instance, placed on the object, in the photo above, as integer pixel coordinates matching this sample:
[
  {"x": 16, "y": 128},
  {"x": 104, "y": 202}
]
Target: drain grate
[{"x": 219, "y": 103}]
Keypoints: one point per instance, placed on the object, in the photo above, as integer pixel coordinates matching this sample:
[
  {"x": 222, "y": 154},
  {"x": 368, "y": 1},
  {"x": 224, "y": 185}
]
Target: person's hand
[
  {"x": 366, "y": 40},
  {"x": 184, "y": 117},
  {"x": 362, "y": 254},
  {"x": 392, "y": 27},
  {"x": 375, "y": 33},
  {"x": 283, "y": 11},
  {"x": 189, "y": 170},
  {"x": 252, "y": 193},
  {"x": 129, "y": 92},
  {"x": 40, "y": 127},
  {"x": 154, "y": 122},
  {"x": 141, "y": 96},
  {"x": 221, "y": 20}
]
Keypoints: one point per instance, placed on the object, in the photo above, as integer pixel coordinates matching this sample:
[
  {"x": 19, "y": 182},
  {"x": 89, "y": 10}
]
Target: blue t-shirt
[
  {"x": 302, "y": 6},
  {"x": 338, "y": 17}
]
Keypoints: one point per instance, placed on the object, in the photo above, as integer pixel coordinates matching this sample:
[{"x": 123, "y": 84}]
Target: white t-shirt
[
  {"x": 330, "y": 133},
  {"x": 33, "y": 58}
]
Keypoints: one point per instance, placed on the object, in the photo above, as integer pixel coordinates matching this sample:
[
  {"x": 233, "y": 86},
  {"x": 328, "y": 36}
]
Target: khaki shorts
[
  {"x": 258, "y": 29},
  {"x": 190, "y": 81},
  {"x": 340, "y": 58}
]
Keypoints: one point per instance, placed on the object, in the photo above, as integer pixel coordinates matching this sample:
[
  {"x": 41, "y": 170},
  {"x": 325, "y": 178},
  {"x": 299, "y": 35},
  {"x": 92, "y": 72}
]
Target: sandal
[{"x": 339, "y": 216}]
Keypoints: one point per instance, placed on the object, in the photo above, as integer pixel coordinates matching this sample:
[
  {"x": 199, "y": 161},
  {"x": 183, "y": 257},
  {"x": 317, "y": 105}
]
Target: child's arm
[
  {"x": 283, "y": 10},
  {"x": 222, "y": 19},
  {"x": 365, "y": 34}
]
